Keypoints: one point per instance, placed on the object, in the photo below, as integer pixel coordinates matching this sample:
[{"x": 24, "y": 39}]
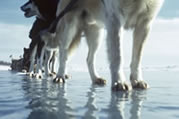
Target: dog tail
[{"x": 75, "y": 43}]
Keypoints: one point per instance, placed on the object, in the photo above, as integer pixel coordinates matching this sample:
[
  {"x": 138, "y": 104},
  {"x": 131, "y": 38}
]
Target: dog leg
[
  {"x": 62, "y": 68},
  {"x": 48, "y": 55},
  {"x": 65, "y": 37},
  {"x": 140, "y": 35},
  {"x": 39, "y": 67},
  {"x": 114, "y": 45},
  {"x": 46, "y": 62},
  {"x": 49, "y": 63},
  {"x": 92, "y": 35},
  {"x": 38, "y": 73},
  {"x": 32, "y": 62},
  {"x": 42, "y": 59},
  {"x": 53, "y": 64}
]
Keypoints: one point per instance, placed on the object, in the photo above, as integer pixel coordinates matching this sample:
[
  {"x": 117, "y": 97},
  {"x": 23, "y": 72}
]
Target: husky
[
  {"x": 45, "y": 12},
  {"x": 89, "y": 16},
  {"x": 138, "y": 16}
]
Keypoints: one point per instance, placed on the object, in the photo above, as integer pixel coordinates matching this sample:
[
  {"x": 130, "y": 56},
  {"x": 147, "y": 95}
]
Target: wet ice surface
[{"x": 22, "y": 98}]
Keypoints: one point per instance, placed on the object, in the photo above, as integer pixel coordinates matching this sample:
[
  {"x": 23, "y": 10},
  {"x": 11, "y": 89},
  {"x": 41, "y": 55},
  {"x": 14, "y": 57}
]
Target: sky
[{"x": 161, "y": 48}]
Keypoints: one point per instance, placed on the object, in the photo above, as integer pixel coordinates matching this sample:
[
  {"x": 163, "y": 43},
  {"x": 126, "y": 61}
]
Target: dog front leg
[
  {"x": 38, "y": 73},
  {"x": 49, "y": 56},
  {"x": 114, "y": 45},
  {"x": 62, "y": 66},
  {"x": 40, "y": 59},
  {"x": 32, "y": 62},
  {"x": 54, "y": 62},
  {"x": 139, "y": 37}
]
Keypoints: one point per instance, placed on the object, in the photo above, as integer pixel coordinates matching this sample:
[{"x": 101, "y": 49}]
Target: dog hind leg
[
  {"x": 65, "y": 37},
  {"x": 92, "y": 35}
]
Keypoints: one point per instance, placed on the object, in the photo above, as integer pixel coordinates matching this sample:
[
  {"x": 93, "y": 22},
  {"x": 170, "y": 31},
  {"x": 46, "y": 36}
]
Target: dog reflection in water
[
  {"x": 49, "y": 100},
  {"x": 116, "y": 108},
  {"x": 119, "y": 101}
]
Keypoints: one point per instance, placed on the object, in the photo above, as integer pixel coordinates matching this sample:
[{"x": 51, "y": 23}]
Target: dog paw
[
  {"x": 139, "y": 84},
  {"x": 59, "y": 80},
  {"x": 38, "y": 76},
  {"x": 33, "y": 75},
  {"x": 30, "y": 74},
  {"x": 100, "y": 81},
  {"x": 119, "y": 86}
]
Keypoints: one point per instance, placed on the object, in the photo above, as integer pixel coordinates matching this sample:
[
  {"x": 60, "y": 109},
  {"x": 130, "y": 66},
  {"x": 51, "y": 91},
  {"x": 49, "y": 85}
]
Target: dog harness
[{"x": 68, "y": 8}]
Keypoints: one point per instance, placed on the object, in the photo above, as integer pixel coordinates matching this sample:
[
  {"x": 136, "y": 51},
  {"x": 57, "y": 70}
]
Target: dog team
[{"x": 60, "y": 24}]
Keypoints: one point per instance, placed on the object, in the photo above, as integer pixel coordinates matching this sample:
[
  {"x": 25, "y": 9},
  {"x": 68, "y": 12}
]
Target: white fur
[
  {"x": 72, "y": 24},
  {"x": 36, "y": 70},
  {"x": 49, "y": 67},
  {"x": 32, "y": 62},
  {"x": 116, "y": 15},
  {"x": 129, "y": 14}
]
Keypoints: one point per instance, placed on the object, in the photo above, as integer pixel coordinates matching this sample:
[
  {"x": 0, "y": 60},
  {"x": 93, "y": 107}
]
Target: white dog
[
  {"x": 128, "y": 14},
  {"x": 89, "y": 16}
]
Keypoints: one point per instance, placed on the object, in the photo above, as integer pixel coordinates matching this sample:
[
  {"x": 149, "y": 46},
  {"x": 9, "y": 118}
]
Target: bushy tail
[{"x": 75, "y": 43}]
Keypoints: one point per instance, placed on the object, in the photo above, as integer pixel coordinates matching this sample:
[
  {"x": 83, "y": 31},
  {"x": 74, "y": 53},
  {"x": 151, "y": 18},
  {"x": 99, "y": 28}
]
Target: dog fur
[
  {"x": 89, "y": 16},
  {"x": 44, "y": 10},
  {"x": 129, "y": 14}
]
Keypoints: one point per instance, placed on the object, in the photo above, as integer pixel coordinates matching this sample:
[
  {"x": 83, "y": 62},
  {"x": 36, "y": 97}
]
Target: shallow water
[{"x": 23, "y": 98}]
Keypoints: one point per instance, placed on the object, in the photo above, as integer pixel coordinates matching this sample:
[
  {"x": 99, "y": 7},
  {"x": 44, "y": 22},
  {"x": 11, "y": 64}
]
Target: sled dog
[
  {"x": 34, "y": 8},
  {"x": 89, "y": 16}
]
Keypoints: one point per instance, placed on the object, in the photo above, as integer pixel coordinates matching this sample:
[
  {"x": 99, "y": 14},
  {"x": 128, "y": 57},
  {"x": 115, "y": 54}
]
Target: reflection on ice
[
  {"x": 25, "y": 98},
  {"x": 49, "y": 100},
  {"x": 118, "y": 104},
  {"x": 91, "y": 104}
]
